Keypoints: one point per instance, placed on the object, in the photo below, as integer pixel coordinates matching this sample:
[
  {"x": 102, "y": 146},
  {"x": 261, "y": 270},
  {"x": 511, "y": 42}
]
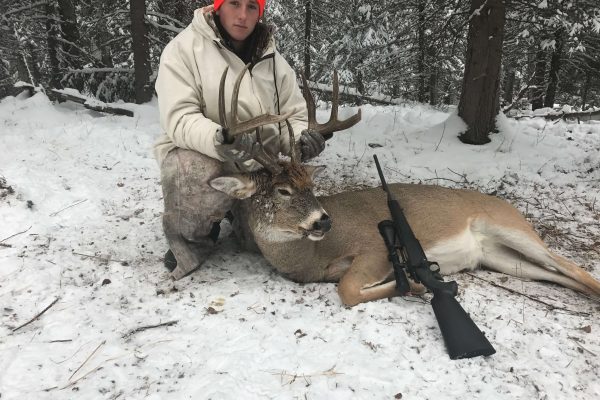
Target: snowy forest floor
[{"x": 80, "y": 230}]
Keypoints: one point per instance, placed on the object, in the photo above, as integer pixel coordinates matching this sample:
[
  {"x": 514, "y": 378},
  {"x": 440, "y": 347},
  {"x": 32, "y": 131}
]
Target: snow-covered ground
[{"x": 81, "y": 229}]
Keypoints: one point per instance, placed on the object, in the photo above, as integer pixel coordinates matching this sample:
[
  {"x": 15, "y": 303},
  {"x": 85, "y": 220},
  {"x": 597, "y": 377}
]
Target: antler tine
[
  {"x": 334, "y": 124},
  {"x": 236, "y": 93},
  {"x": 293, "y": 153},
  {"x": 310, "y": 103},
  {"x": 222, "y": 117},
  {"x": 335, "y": 98},
  {"x": 268, "y": 161},
  {"x": 238, "y": 127}
]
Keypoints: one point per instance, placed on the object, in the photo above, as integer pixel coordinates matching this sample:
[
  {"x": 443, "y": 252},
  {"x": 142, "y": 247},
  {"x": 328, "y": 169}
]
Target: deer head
[{"x": 280, "y": 204}]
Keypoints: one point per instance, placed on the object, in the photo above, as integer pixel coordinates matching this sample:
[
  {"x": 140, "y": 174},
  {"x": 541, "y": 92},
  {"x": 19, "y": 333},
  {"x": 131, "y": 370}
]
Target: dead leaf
[{"x": 586, "y": 329}]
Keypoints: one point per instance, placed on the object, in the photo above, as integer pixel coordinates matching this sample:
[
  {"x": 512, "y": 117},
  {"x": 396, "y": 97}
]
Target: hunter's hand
[
  {"x": 237, "y": 149},
  {"x": 312, "y": 144}
]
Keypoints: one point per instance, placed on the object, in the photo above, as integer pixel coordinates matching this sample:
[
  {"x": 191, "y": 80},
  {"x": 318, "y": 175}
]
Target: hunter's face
[{"x": 239, "y": 17}]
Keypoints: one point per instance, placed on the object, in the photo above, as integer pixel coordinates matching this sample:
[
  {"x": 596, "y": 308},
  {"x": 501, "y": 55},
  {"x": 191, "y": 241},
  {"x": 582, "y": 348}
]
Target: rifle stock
[{"x": 461, "y": 335}]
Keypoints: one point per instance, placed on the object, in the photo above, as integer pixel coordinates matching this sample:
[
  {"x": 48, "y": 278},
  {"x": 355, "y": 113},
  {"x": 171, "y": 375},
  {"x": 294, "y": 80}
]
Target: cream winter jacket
[{"x": 188, "y": 79}]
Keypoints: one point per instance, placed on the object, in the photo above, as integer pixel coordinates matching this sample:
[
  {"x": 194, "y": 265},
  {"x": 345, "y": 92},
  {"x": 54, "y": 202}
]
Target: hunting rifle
[{"x": 462, "y": 336}]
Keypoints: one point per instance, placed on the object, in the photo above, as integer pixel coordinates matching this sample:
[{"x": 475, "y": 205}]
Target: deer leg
[
  {"x": 509, "y": 261},
  {"x": 370, "y": 277},
  {"x": 517, "y": 249},
  {"x": 193, "y": 209}
]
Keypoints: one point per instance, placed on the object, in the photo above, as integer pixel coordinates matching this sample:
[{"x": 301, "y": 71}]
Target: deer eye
[{"x": 284, "y": 192}]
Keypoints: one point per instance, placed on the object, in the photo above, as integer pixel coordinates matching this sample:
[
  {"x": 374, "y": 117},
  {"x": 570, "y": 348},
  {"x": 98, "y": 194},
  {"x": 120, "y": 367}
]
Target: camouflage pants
[{"x": 193, "y": 209}]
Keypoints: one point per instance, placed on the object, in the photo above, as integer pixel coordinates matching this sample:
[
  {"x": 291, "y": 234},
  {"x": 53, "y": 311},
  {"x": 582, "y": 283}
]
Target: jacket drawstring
[{"x": 276, "y": 93}]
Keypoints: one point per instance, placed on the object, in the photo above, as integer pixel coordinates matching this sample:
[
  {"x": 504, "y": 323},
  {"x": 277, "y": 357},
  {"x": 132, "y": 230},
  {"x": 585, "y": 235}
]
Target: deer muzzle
[{"x": 319, "y": 227}]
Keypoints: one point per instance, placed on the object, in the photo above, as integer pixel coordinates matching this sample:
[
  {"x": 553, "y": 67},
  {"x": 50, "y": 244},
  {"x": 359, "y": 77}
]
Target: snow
[{"x": 84, "y": 226}]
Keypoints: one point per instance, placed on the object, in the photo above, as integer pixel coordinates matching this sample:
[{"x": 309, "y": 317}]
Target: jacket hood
[{"x": 204, "y": 23}]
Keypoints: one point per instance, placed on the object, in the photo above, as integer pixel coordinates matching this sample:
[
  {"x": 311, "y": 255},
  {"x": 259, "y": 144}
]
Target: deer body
[{"x": 459, "y": 229}]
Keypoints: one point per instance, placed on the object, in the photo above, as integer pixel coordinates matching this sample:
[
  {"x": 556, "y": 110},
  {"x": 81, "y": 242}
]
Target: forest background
[{"x": 486, "y": 56}]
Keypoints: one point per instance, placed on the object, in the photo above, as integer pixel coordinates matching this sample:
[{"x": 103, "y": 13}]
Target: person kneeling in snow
[{"x": 193, "y": 149}]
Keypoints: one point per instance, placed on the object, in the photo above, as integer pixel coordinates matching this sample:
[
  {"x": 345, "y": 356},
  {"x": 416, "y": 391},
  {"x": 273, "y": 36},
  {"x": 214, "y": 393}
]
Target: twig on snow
[
  {"x": 576, "y": 341},
  {"x": 11, "y": 236},
  {"x": 90, "y": 372},
  {"x": 143, "y": 328},
  {"x": 67, "y": 207},
  {"x": 87, "y": 359},
  {"x": 550, "y": 306},
  {"x": 103, "y": 259},
  {"x": 37, "y": 316},
  {"x": 291, "y": 378}
]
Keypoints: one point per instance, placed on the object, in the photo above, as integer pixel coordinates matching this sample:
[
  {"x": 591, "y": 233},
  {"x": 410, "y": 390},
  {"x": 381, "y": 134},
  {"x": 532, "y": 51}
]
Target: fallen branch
[
  {"x": 550, "y": 306},
  {"x": 562, "y": 115},
  {"x": 87, "y": 102},
  {"x": 90, "y": 104},
  {"x": 37, "y": 316},
  {"x": 143, "y": 328},
  {"x": 353, "y": 94}
]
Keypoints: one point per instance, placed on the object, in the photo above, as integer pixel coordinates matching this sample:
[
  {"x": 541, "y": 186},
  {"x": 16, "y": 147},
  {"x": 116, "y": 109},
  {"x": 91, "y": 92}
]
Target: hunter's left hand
[{"x": 312, "y": 144}]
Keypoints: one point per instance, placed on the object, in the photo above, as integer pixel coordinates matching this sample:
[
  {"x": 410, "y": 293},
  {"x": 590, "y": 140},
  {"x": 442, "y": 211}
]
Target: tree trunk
[
  {"x": 433, "y": 77},
  {"x": 539, "y": 81},
  {"x": 34, "y": 68},
  {"x": 360, "y": 85},
  {"x": 141, "y": 53},
  {"x": 307, "y": 27},
  {"x": 70, "y": 33},
  {"x": 52, "y": 36},
  {"x": 478, "y": 104},
  {"x": 554, "y": 68},
  {"x": 509, "y": 85},
  {"x": 586, "y": 87},
  {"x": 181, "y": 10},
  {"x": 421, "y": 52},
  {"x": 433, "y": 87}
]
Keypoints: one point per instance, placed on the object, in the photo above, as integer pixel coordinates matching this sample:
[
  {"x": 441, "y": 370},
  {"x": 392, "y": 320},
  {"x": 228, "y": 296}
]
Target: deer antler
[
  {"x": 235, "y": 127},
  {"x": 334, "y": 124}
]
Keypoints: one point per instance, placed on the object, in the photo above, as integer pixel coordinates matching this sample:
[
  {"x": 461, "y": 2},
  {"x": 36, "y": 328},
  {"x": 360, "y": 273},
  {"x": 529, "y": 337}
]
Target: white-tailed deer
[{"x": 335, "y": 238}]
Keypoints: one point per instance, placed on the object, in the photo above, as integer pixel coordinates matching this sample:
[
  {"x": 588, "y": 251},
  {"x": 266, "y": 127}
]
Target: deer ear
[
  {"x": 314, "y": 170},
  {"x": 237, "y": 186}
]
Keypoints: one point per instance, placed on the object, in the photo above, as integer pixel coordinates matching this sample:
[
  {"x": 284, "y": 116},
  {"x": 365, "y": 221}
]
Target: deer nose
[{"x": 324, "y": 224}]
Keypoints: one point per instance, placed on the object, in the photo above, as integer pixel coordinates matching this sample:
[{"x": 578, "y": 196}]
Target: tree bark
[
  {"x": 537, "y": 93},
  {"x": 509, "y": 85},
  {"x": 554, "y": 68},
  {"x": 478, "y": 104},
  {"x": 141, "y": 53},
  {"x": 433, "y": 77},
  {"x": 307, "y": 27},
  {"x": 421, "y": 52},
  {"x": 586, "y": 87}
]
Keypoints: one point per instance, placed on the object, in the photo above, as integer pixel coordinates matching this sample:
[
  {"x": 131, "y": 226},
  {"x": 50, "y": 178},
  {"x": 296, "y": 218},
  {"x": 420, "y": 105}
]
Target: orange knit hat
[{"x": 261, "y": 5}]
